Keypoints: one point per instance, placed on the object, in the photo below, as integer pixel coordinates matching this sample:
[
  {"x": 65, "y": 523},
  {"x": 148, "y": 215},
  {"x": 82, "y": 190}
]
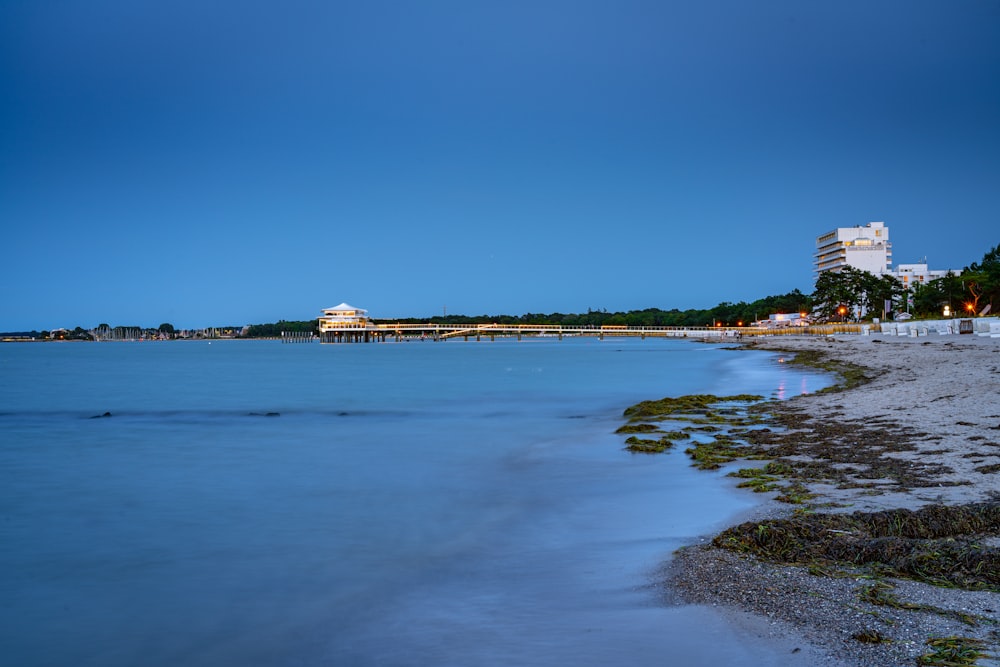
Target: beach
[{"x": 920, "y": 428}]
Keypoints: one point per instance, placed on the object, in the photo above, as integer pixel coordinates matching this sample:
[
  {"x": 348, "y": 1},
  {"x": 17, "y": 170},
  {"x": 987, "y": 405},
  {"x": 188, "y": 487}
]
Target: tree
[
  {"x": 167, "y": 328},
  {"x": 952, "y": 289},
  {"x": 982, "y": 279},
  {"x": 882, "y": 289},
  {"x": 859, "y": 292},
  {"x": 835, "y": 289},
  {"x": 927, "y": 299}
]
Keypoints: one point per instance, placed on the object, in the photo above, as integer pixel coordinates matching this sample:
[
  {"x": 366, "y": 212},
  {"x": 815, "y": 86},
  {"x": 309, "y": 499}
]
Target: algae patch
[
  {"x": 954, "y": 651},
  {"x": 937, "y": 544},
  {"x": 700, "y": 414},
  {"x": 696, "y": 406}
]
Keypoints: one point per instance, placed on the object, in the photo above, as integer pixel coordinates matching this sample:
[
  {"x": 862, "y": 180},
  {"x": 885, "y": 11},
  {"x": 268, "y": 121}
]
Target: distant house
[
  {"x": 778, "y": 320},
  {"x": 344, "y": 316},
  {"x": 911, "y": 274}
]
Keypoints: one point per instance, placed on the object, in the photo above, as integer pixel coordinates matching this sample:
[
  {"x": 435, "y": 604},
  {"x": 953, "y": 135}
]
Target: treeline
[
  {"x": 856, "y": 292},
  {"x": 968, "y": 293},
  {"x": 725, "y": 314},
  {"x": 274, "y": 329},
  {"x": 106, "y": 332}
]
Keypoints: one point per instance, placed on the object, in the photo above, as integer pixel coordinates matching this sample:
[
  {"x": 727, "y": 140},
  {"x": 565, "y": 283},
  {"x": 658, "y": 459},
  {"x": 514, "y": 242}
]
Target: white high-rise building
[{"x": 865, "y": 248}]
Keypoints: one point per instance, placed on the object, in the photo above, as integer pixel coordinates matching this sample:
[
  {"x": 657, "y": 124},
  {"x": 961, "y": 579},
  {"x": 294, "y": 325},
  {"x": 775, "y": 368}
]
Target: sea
[{"x": 230, "y": 502}]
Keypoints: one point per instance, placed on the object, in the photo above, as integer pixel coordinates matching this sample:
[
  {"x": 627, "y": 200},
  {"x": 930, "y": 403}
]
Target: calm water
[{"x": 413, "y": 504}]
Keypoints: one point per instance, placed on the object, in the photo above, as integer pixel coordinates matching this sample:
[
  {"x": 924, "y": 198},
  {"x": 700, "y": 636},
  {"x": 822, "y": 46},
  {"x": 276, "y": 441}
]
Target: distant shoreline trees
[
  {"x": 273, "y": 330},
  {"x": 724, "y": 314},
  {"x": 858, "y": 291}
]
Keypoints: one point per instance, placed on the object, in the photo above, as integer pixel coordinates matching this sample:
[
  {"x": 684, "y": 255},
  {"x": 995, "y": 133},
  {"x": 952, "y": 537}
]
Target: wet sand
[{"x": 927, "y": 421}]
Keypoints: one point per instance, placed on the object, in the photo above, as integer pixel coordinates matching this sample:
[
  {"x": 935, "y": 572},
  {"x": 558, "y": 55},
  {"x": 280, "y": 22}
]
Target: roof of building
[{"x": 345, "y": 306}]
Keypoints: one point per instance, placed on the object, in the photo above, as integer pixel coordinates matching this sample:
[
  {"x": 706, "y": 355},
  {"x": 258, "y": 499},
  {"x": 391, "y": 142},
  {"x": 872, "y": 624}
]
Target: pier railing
[
  {"x": 493, "y": 330},
  {"x": 399, "y": 331}
]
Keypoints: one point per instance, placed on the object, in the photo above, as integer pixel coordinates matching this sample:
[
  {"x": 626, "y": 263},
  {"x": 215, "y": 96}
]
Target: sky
[{"x": 230, "y": 162}]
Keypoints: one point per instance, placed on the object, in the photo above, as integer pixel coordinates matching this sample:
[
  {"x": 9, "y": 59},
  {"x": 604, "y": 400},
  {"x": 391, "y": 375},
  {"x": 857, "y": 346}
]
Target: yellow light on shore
[
  {"x": 947, "y": 311},
  {"x": 969, "y": 307}
]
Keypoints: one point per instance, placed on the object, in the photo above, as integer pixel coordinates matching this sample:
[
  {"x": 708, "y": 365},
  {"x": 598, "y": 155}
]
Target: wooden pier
[
  {"x": 297, "y": 336},
  {"x": 492, "y": 331},
  {"x": 368, "y": 334},
  {"x": 375, "y": 333}
]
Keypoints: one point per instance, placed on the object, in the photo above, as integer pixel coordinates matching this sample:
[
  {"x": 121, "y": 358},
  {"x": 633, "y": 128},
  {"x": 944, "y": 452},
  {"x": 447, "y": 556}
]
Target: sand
[{"x": 931, "y": 413}]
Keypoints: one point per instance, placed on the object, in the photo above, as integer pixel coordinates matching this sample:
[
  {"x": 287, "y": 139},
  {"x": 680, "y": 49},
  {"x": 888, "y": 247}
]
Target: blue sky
[{"x": 201, "y": 163}]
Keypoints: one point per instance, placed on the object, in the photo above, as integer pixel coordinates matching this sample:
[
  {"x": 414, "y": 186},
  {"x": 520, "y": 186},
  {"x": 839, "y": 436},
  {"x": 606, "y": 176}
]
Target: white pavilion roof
[{"x": 345, "y": 307}]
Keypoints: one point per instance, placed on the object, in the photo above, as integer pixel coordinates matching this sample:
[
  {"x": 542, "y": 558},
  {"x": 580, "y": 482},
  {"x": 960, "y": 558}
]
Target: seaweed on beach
[
  {"x": 953, "y": 651},
  {"x": 638, "y": 428},
  {"x": 698, "y": 407},
  {"x": 880, "y": 593},
  {"x": 844, "y": 453},
  {"x": 719, "y": 450},
  {"x": 645, "y": 445},
  {"x": 705, "y": 413},
  {"x": 805, "y": 449},
  {"x": 937, "y": 544},
  {"x": 871, "y": 637}
]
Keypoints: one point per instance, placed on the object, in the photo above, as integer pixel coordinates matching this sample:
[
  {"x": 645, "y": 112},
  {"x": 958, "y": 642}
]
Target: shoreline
[{"x": 922, "y": 428}]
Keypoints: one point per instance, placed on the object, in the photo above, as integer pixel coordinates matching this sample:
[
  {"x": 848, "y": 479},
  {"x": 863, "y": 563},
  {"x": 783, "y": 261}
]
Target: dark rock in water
[
  {"x": 106, "y": 414},
  {"x": 265, "y": 414}
]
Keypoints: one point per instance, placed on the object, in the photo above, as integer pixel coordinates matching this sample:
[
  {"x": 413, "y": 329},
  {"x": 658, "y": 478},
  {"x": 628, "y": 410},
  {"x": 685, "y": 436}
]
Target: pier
[
  {"x": 349, "y": 324},
  {"x": 297, "y": 336},
  {"x": 374, "y": 333}
]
